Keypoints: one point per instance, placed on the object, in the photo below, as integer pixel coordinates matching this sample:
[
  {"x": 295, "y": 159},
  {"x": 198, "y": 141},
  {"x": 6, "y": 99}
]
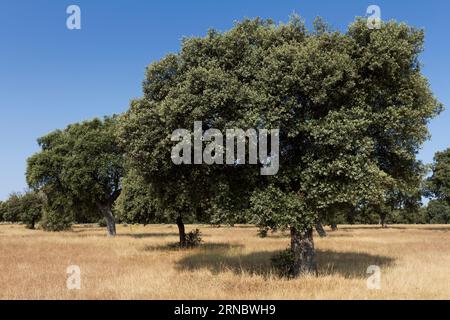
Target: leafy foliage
[
  {"x": 26, "y": 208},
  {"x": 262, "y": 232},
  {"x": 79, "y": 169},
  {"x": 438, "y": 185},
  {"x": 352, "y": 110},
  {"x": 136, "y": 203},
  {"x": 438, "y": 212},
  {"x": 56, "y": 219},
  {"x": 32, "y": 206},
  {"x": 12, "y": 208}
]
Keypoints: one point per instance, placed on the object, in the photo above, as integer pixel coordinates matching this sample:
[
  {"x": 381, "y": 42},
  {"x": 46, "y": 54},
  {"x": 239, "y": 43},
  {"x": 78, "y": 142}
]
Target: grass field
[{"x": 233, "y": 263}]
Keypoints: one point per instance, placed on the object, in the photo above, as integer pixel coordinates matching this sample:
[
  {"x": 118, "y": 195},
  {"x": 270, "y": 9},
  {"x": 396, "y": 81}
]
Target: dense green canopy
[
  {"x": 79, "y": 168},
  {"x": 438, "y": 212},
  {"x": 439, "y": 182},
  {"x": 25, "y": 207},
  {"x": 11, "y": 209},
  {"x": 352, "y": 110}
]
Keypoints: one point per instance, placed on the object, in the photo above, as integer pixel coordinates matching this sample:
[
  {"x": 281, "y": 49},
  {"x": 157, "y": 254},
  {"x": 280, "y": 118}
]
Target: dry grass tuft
[{"x": 233, "y": 263}]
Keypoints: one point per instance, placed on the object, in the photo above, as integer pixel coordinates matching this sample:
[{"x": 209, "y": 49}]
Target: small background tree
[
  {"x": 438, "y": 185},
  {"x": 32, "y": 207},
  {"x": 79, "y": 169},
  {"x": 12, "y": 208}
]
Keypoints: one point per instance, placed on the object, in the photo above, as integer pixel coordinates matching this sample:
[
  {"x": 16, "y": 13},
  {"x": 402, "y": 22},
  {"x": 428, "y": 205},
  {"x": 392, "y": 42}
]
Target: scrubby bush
[
  {"x": 262, "y": 232},
  {"x": 102, "y": 222},
  {"x": 193, "y": 238},
  {"x": 282, "y": 263}
]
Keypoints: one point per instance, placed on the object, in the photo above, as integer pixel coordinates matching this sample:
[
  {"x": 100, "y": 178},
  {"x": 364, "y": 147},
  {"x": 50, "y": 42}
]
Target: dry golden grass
[{"x": 233, "y": 263}]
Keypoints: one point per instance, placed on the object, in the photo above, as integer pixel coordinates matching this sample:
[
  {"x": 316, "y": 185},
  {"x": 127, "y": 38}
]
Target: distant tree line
[{"x": 29, "y": 208}]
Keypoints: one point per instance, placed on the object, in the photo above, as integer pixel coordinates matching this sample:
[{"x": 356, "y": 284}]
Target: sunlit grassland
[{"x": 232, "y": 263}]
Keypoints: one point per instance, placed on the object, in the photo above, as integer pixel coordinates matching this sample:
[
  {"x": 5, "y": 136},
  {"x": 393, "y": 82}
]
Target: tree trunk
[
  {"x": 109, "y": 217},
  {"x": 320, "y": 230},
  {"x": 32, "y": 224},
  {"x": 383, "y": 220},
  {"x": 303, "y": 253},
  {"x": 181, "y": 232},
  {"x": 351, "y": 216},
  {"x": 334, "y": 226}
]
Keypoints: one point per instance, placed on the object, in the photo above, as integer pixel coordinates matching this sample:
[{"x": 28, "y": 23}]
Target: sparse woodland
[{"x": 352, "y": 109}]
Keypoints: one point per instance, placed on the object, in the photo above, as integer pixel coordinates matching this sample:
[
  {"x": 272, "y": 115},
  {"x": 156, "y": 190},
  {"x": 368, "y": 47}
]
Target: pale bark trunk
[
  {"x": 109, "y": 217},
  {"x": 320, "y": 230},
  {"x": 181, "y": 232},
  {"x": 303, "y": 253}
]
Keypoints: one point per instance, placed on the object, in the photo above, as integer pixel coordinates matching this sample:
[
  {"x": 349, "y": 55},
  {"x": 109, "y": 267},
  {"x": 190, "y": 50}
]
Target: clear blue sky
[{"x": 51, "y": 76}]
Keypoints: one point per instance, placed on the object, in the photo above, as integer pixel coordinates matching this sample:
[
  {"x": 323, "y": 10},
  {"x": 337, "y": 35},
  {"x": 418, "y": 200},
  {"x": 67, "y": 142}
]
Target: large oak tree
[{"x": 348, "y": 106}]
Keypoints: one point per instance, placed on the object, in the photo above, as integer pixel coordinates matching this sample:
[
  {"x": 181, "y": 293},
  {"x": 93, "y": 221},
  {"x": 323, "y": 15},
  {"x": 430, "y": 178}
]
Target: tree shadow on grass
[
  {"x": 356, "y": 227},
  {"x": 204, "y": 248},
  {"x": 86, "y": 229},
  {"x": 349, "y": 264},
  {"x": 428, "y": 227},
  {"x": 346, "y": 264},
  {"x": 138, "y": 235}
]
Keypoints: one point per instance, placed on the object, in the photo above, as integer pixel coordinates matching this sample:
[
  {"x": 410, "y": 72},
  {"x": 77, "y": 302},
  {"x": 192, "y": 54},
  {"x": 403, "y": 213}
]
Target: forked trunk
[
  {"x": 109, "y": 217},
  {"x": 181, "y": 232},
  {"x": 320, "y": 230},
  {"x": 303, "y": 253}
]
